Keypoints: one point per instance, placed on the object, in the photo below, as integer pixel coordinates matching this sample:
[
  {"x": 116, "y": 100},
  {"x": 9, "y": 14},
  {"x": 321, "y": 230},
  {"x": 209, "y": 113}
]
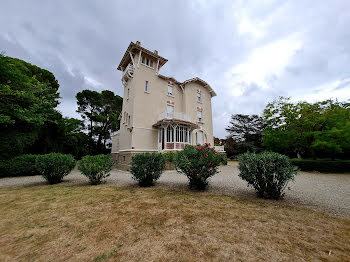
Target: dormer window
[
  {"x": 170, "y": 90},
  {"x": 199, "y": 96},
  {"x": 146, "y": 61}
]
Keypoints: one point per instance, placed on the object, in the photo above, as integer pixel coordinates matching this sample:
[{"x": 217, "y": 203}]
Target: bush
[
  {"x": 146, "y": 168},
  {"x": 268, "y": 172},
  {"x": 198, "y": 163},
  {"x": 223, "y": 159},
  {"x": 54, "y": 166},
  {"x": 322, "y": 165},
  {"x": 96, "y": 168},
  {"x": 23, "y": 165},
  {"x": 169, "y": 156}
]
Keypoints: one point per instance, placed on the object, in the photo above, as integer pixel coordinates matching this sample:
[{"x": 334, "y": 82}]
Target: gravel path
[{"x": 329, "y": 193}]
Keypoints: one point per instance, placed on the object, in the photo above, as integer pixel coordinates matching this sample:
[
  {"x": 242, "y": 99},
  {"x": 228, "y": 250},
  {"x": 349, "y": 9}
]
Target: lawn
[{"x": 102, "y": 223}]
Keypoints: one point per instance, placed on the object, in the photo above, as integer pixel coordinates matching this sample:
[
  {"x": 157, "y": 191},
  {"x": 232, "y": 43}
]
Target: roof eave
[{"x": 133, "y": 46}]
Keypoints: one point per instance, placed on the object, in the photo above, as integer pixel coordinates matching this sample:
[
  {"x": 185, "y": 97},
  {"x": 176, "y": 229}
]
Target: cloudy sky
[{"x": 250, "y": 52}]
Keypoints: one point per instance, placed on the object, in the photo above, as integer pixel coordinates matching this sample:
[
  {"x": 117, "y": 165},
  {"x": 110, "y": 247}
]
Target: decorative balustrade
[
  {"x": 219, "y": 148},
  {"x": 174, "y": 115},
  {"x": 127, "y": 74}
]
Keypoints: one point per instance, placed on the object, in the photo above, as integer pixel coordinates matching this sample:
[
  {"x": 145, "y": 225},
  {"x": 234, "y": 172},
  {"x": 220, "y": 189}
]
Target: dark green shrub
[
  {"x": 23, "y": 165},
  {"x": 323, "y": 165},
  {"x": 54, "y": 166},
  {"x": 268, "y": 172},
  {"x": 96, "y": 168},
  {"x": 223, "y": 159},
  {"x": 168, "y": 156},
  {"x": 146, "y": 168},
  {"x": 198, "y": 163}
]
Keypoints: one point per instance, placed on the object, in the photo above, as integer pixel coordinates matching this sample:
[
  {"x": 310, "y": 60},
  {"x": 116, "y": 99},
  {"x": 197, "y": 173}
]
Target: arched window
[{"x": 199, "y": 137}]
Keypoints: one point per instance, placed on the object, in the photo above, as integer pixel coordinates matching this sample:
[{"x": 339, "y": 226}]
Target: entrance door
[{"x": 162, "y": 136}]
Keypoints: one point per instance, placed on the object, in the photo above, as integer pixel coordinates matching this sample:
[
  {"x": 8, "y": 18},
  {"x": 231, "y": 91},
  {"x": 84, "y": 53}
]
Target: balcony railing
[
  {"x": 174, "y": 115},
  {"x": 127, "y": 73},
  {"x": 219, "y": 148}
]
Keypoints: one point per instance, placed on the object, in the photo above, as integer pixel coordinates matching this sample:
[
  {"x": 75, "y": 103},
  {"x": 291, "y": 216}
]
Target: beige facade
[{"x": 159, "y": 113}]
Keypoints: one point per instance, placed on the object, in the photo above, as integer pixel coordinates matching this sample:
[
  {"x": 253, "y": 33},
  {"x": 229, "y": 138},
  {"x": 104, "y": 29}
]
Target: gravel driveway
[{"x": 329, "y": 193}]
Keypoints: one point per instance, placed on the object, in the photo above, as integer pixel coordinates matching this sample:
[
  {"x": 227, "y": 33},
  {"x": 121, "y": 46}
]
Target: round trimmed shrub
[
  {"x": 96, "y": 168},
  {"x": 53, "y": 167},
  {"x": 268, "y": 173},
  {"x": 198, "y": 163},
  {"x": 146, "y": 168}
]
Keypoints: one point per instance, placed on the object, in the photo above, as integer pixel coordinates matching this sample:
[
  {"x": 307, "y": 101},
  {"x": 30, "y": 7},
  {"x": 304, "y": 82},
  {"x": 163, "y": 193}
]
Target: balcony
[
  {"x": 174, "y": 115},
  {"x": 174, "y": 118},
  {"x": 127, "y": 74}
]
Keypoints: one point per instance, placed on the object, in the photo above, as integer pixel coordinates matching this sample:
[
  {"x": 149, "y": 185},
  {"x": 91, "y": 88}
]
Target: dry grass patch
[{"x": 100, "y": 223}]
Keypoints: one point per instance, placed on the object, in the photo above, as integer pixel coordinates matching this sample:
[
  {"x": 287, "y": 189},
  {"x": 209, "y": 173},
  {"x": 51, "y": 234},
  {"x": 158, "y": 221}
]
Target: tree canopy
[
  {"x": 100, "y": 112},
  {"x": 244, "y": 134},
  {"x": 28, "y": 97},
  {"x": 302, "y": 129},
  {"x": 30, "y": 123}
]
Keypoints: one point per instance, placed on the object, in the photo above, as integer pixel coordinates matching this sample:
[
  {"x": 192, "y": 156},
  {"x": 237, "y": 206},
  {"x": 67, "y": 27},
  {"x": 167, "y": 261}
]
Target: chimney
[
  {"x": 138, "y": 43},
  {"x": 156, "y": 52}
]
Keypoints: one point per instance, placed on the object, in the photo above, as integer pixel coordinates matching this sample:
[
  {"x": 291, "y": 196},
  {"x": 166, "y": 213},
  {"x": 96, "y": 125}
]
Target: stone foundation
[{"x": 123, "y": 159}]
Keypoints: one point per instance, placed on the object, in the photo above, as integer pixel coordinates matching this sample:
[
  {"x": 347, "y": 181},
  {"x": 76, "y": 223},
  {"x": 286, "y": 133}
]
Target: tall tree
[
  {"x": 245, "y": 132},
  {"x": 100, "y": 112},
  {"x": 302, "y": 129},
  {"x": 28, "y": 97}
]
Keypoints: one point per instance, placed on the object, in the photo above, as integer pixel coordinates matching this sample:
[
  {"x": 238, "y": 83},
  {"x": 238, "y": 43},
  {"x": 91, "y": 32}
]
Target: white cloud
[
  {"x": 92, "y": 82},
  {"x": 265, "y": 62}
]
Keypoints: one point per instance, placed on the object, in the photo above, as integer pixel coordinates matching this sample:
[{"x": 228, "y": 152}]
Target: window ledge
[
  {"x": 200, "y": 122},
  {"x": 199, "y": 102},
  {"x": 147, "y": 65},
  {"x": 147, "y": 92},
  {"x": 171, "y": 96}
]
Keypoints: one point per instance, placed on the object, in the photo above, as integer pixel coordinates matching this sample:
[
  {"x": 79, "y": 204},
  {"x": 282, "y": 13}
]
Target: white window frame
[
  {"x": 199, "y": 116},
  {"x": 171, "y": 93},
  {"x": 147, "y": 62},
  {"x": 199, "y": 97},
  {"x": 146, "y": 87},
  {"x": 200, "y": 137}
]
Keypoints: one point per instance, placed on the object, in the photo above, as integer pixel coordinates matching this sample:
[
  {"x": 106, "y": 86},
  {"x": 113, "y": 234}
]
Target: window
[
  {"x": 170, "y": 111},
  {"x": 147, "y": 61},
  {"x": 146, "y": 86},
  {"x": 129, "y": 121},
  {"x": 128, "y": 92},
  {"x": 170, "y": 90},
  {"x": 198, "y": 96},
  {"x": 170, "y": 134},
  {"x": 199, "y": 116},
  {"x": 200, "y": 137}
]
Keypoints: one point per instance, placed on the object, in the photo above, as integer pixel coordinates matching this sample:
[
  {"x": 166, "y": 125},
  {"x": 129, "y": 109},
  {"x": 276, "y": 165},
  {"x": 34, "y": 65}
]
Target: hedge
[
  {"x": 23, "y": 165},
  {"x": 322, "y": 165}
]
